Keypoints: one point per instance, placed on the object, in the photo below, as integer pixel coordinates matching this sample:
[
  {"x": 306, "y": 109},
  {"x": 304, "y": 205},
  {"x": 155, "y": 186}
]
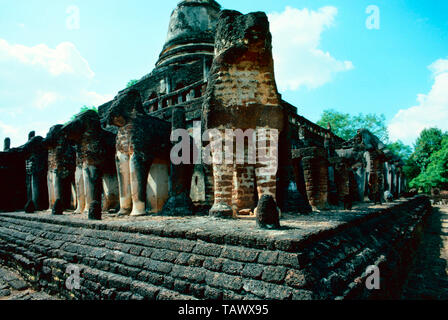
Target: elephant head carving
[{"x": 126, "y": 106}]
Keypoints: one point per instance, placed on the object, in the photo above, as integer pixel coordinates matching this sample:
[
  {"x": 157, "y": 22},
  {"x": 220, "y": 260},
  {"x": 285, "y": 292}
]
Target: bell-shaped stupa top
[{"x": 191, "y": 32}]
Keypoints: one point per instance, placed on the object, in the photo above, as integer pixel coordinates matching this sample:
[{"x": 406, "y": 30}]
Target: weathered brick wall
[{"x": 121, "y": 261}]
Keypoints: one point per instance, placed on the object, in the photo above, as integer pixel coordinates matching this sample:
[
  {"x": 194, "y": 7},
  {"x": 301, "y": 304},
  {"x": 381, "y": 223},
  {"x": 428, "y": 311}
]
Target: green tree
[
  {"x": 374, "y": 123},
  {"x": 411, "y": 169},
  {"x": 435, "y": 174},
  {"x": 346, "y": 126},
  {"x": 404, "y": 152},
  {"x": 429, "y": 142},
  {"x": 131, "y": 83},
  {"x": 400, "y": 149},
  {"x": 340, "y": 123}
]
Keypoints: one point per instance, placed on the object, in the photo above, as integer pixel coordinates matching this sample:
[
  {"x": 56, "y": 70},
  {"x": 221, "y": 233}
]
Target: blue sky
[{"x": 325, "y": 57}]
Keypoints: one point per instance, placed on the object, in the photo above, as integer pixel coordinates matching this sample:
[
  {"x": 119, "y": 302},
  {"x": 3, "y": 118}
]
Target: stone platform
[
  {"x": 13, "y": 287},
  {"x": 318, "y": 256}
]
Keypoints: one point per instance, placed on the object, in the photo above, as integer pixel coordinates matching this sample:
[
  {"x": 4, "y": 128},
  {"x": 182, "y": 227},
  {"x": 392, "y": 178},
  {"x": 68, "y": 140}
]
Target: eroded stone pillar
[
  {"x": 7, "y": 145},
  {"x": 361, "y": 177},
  {"x": 291, "y": 197},
  {"x": 315, "y": 169},
  {"x": 342, "y": 181},
  {"x": 374, "y": 167},
  {"x": 209, "y": 184},
  {"x": 333, "y": 198},
  {"x": 61, "y": 170},
  {"x": 244, "y": 187},
  {"x": 80, "y": 190},
  {"x": 36, "y": 164},
  {"x": 179, "y": 202},
  {"x": 158, "y": 185}
]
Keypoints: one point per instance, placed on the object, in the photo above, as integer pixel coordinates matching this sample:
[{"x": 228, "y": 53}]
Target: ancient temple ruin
[
  {"x": 215, "y": 73},
  {"x": 242, "y": 197}
]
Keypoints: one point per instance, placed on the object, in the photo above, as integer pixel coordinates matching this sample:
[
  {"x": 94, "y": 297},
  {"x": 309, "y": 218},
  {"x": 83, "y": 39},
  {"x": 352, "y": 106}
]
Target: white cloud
[
  {"x": 9, "y": 130},
  {"x": 42, "y": 85},
  {"x": 431, "y": 110},
  {"x": 299, "y": 62},
  {"x": 45, "y": 99},
  {"x": 440, "y": 66},
  {"x": 19, "y": 133},
  {"x": 95, "y": 98},
  {"x": 64, "y": 59}
]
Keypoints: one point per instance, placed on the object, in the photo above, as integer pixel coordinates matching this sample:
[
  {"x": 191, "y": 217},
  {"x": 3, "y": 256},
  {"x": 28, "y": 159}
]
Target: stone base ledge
[{"x": 320, "y": 256}]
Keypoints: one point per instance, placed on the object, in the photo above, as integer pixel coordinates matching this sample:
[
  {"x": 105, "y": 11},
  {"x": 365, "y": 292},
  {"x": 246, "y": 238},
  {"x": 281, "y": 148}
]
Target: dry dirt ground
[{"x": 428, "y": 279}]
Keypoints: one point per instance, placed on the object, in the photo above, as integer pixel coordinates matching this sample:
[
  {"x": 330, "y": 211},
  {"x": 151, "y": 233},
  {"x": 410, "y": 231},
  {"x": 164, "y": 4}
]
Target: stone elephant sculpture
[
  {"x": 142, "y": 141},
  {"x": 354, "y": 158},
  {"x": 375, "y": 170},
  {"x": 374, "y": 155},
  {"x": 242, "y": 94},
  {"x": 95, "y": 164},
  {"x": 61, "y": 170},
  {"x": 36, "y": 155},
  {"x": 180, "y": 181},
  {"x": 394, "y": 180},
  {"x": 369, "y": 141},
  {"x": 366, "y": 154}
]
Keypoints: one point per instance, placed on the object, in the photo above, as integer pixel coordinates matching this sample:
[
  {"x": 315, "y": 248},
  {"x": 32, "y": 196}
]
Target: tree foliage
[
  {"x": 430, "y": 160},
  {"x": 131, "y": 83},
  {"x": 404, "y": 152},
  {"x": 346, "y": 126},
  {"x": 84, "y": 109},
  {"x": 429, "y": 141},
  {"x": 435, "y": 173},
  {"x": 411, "y": 169},
  {"x": 400, "y": 149}
]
